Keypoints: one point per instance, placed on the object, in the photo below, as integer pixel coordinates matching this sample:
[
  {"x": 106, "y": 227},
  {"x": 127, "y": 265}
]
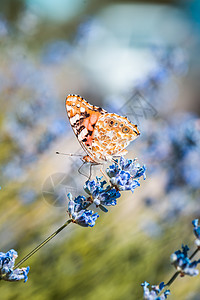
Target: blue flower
[
  {"x": 100, "y": 195},
  {"x": 94, "y": 188},
  {"x": 155, "y": 290},
  {"x": 78, "y": 212},
  {"x": 7, "y": 262},
  {"x": 182, "y": 262},
  {"x": 125, "y": 175},
  {"x": 196, "y": 230}
]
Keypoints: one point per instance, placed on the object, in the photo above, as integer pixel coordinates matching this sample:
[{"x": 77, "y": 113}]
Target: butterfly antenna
[{"x": 69, "y": 154}]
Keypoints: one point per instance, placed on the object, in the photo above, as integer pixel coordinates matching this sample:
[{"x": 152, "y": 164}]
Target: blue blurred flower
[
  {"x": 182, "y": 262},
  {"x": 7, "y": 262},
  {"x": 56, "y": 52},
  {"x": 151, "y": 84},
  {"x": 13, "y": 169},
  {"x": 178, "y": 203},
  {"x": 101, "y": 196},
  {"x": 173, "y": 59},
  {"x": 155, "y": 290},
  {"x": 168, "y": 62},
  {"x": 175, "y": 148},
  {"x": 4, "y": 27},
  {"x": 78, "y": 212},
  {"x": 125, "y": 175},
  {"x": 191, "y": 167}
]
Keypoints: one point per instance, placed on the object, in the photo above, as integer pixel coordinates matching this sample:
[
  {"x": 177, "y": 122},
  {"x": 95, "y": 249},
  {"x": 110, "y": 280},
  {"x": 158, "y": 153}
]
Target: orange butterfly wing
[
  {"x": 101, "y": 134},
  {"x": 83, "y": 118}
]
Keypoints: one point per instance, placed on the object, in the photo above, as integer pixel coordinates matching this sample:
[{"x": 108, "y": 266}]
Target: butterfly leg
[
  {"x": 105, "y": 175},
  {"x": 90, "y": 171},
  {"x": 117, "y": 163},
  {"x": 79, "y": 170},
  {"x": 91, "y": 165}
]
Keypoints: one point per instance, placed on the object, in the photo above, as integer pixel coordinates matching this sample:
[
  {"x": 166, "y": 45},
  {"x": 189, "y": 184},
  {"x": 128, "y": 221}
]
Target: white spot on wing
[
  {"x": 82, "y": 134},
  {"x": 74, "y": 118},
  {"x": 71, "y": 99},
  {"x": 82, "y": 109}
]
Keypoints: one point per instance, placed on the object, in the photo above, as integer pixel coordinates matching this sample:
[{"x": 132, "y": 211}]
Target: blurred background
[{"x": 136, "y": 58}]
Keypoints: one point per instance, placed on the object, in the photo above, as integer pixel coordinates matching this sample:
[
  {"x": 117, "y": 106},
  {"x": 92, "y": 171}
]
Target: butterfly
[{"x": 102, "y": 135}]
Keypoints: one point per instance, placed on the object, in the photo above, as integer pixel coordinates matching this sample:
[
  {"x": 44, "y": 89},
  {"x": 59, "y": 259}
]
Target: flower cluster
[
  {"x": 7, "y": 262},
  {"x": 196, "y": 231},
  {"x": 182, "y": 262},
  {"x": 78, "y": 212},
  {"x": 125, "y": 175},
  {"x": 183, "y": 265},
  {"x": 100, "y": 195},
  {"x": 154, "y": 292}
]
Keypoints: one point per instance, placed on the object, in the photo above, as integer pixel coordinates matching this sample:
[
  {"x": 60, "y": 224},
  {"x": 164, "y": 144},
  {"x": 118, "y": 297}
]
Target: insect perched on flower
[{"x": 101, "y": 134}]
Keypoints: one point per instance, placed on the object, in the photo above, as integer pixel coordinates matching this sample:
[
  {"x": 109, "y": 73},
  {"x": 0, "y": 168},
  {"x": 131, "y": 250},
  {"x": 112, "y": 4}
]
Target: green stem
[
  {"x": 194, "y": 253},
  {"x": 173, "y": 278},
  {"x": 42, "y": 244}
]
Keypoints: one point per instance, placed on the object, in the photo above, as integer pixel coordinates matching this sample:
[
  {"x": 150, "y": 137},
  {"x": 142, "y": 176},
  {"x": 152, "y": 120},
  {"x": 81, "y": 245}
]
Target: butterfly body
[{"x": 101, "y": 134}]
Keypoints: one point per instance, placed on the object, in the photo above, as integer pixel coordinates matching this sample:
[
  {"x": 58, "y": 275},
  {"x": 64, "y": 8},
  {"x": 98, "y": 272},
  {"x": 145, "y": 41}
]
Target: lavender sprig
[
  {"x": 184, "y": 265},
  {"x": 182, "y": 262},
  {"x": 7, "y": 271},
  {"x": 78, "y": 212},
  {"x": 125, "y": 175},
  {"x": 154, "y": 292},
  {"x": 98, "y": 195}
]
